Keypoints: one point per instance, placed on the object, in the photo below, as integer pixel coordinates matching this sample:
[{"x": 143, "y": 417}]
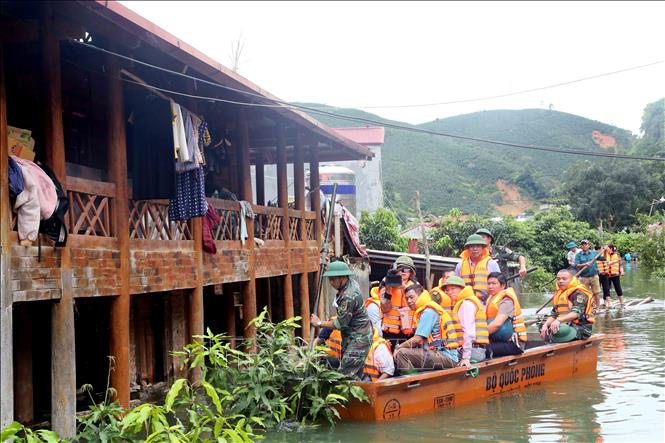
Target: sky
[{"x": 366, "y": 54}]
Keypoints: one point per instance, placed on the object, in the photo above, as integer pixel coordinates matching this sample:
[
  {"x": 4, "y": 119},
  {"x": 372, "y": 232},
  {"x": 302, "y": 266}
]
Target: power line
[
  {"x": 283, "y": 104},
  {"x": 509, "y": 94}
]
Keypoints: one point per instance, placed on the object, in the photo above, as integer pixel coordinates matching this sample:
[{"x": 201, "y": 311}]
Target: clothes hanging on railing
[
  {"x": 209, "y": 221},
  {"x": 27, "y": 207},
  {"x": 179, "y": 134},
  {"x": 15, "y": 179},
  {"x": 245, "y": 212},
  {"x": 48, "y": 198},
  {"x": 54, "y": 226}
]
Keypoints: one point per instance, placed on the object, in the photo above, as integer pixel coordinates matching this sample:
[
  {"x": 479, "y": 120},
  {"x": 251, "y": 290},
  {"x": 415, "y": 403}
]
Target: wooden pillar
[
  {"x": 23, "y": 383},
  {"x": 6, "y": 296},
  {"x": 283, "y": 201},
  {"x": 299, "y": 186},
  {"x": 63, "y": 345},
  {"x": 248, "y": 287},
  {"x": 315, "y": 199},
  {"x": 117, "y": 172},
  {"x": 260, "y": 180}
]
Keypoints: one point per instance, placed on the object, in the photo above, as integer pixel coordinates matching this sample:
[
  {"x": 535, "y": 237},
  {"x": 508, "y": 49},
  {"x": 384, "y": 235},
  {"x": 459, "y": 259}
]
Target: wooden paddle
[{"x": 576, "y": 274}]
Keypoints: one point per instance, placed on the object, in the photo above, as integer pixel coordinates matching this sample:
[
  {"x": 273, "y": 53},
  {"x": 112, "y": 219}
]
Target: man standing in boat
[
  {"x": 352, "y": 320},
  {"x": 502, "y": 254},
  {"x": 436, "y": 340},
  {"x": 572, "y": 316},
  {"x": 476, "y": 265}
]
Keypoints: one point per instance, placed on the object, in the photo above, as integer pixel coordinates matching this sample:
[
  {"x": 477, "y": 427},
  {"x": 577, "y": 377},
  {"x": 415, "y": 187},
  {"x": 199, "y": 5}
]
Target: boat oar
[
  {"x": 576, "y": 274},
  {"x": 322, "y": 269},
  {"x": 528, "y": 271}
]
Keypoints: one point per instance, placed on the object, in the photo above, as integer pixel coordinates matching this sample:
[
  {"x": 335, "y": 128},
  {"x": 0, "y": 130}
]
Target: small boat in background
[{"x": 410, "y": 395}]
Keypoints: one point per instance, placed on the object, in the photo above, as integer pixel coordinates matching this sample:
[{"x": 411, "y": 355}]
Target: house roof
[
  {"x": 368, "y": 135},
  {"x": 166, "y": 42}
]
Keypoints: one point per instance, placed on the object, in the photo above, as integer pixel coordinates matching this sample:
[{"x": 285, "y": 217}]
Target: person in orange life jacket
[
  {"x": 476, "y": 265},
  {"x": 610, "y": 272},
  {"x": 397, "y": 316},
  {"x": 572, "y": 315},
  {"x": 436, "y": 340},
  {"x": 505, "y": 324},
  {"x": 470, "y": 313},
  {"x": 379, "y": 364},
  {"x": 446, "y": 303},
  {"x": 501, "y": 253}
]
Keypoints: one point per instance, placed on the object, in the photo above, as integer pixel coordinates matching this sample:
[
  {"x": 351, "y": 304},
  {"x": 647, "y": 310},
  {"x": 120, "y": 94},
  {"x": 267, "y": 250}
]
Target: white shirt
[
  {"x": 375, "y": 317},
  {"x": 383, "y": 360}
]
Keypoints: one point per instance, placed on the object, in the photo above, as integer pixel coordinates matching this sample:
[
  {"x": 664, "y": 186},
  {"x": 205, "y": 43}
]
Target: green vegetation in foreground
[{"x": 241, "y": 394}]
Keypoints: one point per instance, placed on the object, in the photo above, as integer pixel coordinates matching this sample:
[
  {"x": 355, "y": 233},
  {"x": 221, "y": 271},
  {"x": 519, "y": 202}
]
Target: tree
[
  {"x": 652, "y": 140},
  {"x": 611, "y": 191},
  {"x": 380, "y": 231}
]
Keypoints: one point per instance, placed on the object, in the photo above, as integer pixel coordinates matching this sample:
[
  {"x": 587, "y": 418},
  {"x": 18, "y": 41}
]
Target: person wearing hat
[
  {"x": 351, "y": 320},
  {"x": 476, "y": 265},
  {"x": 586, "y": 261},
  {"x": 572, "y": 316},
  {"x": 469, "y": 311},
  {"x": 445, "y": 301},
  {"x": 374, "y": 303},
  {"x": 436, "y": 340},
  {"x": 572, "y": 252},
  {"x": 502, "y": 254},
  {"x": 396, "y": 315}
]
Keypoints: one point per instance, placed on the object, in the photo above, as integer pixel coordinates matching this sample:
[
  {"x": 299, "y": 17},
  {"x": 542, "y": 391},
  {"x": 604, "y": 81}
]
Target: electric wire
[{"x": 318, "y": 111}]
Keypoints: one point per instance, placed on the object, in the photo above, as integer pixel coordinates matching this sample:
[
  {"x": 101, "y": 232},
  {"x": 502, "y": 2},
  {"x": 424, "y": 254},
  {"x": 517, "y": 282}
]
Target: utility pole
[{"x": 428, "y": 280}]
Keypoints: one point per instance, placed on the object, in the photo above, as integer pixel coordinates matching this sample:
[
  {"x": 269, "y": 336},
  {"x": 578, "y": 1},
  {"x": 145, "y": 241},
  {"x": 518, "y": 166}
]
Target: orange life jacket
[
  {"x": 482, "y": 335},
  {"x": 450, "y": 331},
  {"x": 446, "y": 302},
  {"x": 563, "y": 304},
  {"x": 392, "y": 322},
  {"x": 476, "y": 276},
  {"x": 370, "y": 368},
  {"x": 334, "y": 344},
  {"x": 605, "y": 268},
  {"x": 518, "y": 320}
]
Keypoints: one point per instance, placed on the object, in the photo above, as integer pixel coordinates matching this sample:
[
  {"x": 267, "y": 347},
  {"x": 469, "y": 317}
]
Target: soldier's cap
[
  {"x": 454, "y": 280},
  {"x": 486, "y": 232},
  {"x": 584, "y": 241}
]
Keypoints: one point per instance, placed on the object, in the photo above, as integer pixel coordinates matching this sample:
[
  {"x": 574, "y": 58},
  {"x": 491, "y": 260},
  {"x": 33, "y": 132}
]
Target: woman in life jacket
[{"x": 505, "y": 324}]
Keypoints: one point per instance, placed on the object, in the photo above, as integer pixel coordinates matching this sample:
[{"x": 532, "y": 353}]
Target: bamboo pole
[{"x": 424, "y": 236}]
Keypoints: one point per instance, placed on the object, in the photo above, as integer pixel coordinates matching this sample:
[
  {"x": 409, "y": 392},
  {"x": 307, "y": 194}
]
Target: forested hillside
[{"x": 453, "y": 173}]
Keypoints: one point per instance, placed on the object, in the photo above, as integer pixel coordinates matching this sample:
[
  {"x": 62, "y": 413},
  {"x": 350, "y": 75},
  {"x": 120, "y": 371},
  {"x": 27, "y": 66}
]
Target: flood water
[{"x": 623, "y": 402}]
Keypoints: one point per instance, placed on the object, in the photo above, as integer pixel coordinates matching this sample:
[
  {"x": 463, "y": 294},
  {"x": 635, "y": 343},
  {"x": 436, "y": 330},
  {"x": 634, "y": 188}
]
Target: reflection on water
[{"x": 623, "y": 401}]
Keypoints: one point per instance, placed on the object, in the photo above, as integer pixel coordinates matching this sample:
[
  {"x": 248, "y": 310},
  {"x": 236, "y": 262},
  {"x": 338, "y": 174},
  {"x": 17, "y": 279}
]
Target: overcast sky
[{"x": 355, "y": 54}]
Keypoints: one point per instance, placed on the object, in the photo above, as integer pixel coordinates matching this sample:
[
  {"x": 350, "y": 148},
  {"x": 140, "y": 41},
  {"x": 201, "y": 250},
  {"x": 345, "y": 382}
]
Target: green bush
[{"x": 380, "y": 231}]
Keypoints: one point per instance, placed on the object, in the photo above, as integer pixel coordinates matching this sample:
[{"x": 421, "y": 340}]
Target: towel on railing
[
  {"x": 209, "y": 221},
  {"x": 245, "y": 211}
]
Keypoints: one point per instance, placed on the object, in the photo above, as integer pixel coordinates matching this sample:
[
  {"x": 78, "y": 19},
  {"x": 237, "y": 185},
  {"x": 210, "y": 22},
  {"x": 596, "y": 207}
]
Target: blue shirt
[
  {"x": 428, "y": 324},
  {"x": 585, "y": 257}
]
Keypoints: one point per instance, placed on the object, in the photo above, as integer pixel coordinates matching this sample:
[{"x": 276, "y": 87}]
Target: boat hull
[{"x": 428, "y": 391}]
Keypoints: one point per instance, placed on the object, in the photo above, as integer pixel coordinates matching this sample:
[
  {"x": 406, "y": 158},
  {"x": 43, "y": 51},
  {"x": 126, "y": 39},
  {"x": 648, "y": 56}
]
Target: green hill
[{"x": 455, "y": 173}]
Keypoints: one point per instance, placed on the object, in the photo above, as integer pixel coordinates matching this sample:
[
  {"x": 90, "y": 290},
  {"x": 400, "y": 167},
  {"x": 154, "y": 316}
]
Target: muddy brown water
[{"x": 624, "y": 401}]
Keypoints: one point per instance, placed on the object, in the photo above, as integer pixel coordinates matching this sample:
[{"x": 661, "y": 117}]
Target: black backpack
[{"x": 54, "y": 226}]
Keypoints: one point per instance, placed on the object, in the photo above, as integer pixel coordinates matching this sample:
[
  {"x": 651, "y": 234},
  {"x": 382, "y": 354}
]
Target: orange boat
[{"x": 432, "y": 390}]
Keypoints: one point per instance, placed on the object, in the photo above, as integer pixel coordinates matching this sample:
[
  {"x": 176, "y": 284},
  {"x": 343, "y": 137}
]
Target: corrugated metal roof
[
  {"x": 369, "y": 135},
  {"x": 437, "y": 262},
  {"x": 185, "y": 53}
]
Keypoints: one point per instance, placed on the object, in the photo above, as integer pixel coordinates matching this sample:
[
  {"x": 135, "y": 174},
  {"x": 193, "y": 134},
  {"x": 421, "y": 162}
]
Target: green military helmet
[
  {"x": 486, "y": 232},
  {"x": 474, "y": 239},
  {"x": 564, "y": 334},
  {"x": 454, "y": 280},
  {"x": 404, "y": 260},
  {"x": 338, "y": 269}
]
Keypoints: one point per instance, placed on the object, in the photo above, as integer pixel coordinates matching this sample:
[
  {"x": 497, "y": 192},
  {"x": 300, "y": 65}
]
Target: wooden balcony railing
[
  {"x": 268, "y": 222},
  {"x": 229, "y": 214},
  {"x": 294, "y": 225},
  {"x": 90, "y": 204},
  {"x": 310, "y": 222},
  {"x": 149, "y": 220}
]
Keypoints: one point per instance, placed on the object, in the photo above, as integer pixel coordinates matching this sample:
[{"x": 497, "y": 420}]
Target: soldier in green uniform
[
  {"x": 502, "y": 254},
  {"x": 351, "y": 320}
]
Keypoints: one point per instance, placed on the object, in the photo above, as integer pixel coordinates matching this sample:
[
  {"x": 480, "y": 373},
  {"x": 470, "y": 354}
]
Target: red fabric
[
  {"x": 354, "y": 230},
  {"x": 209, "y": 221}
]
